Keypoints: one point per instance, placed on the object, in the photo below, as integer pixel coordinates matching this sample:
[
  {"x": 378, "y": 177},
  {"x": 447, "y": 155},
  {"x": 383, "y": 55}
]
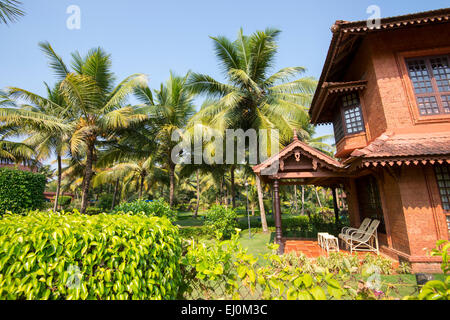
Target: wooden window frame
[
  {"x": 342, "y": 110},
  {"x": 446, "y": 211},
  {"x": 401, "y": 58}
]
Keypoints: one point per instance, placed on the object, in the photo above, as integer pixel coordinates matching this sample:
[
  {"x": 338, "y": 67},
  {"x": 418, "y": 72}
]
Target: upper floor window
[
  {"x": 430, "y": 77},
  {"x": 349, "y": 119}
]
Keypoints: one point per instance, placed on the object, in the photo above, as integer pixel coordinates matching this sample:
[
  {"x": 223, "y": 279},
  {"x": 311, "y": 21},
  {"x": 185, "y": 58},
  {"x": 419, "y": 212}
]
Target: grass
[{"x": 257, "y": 244}]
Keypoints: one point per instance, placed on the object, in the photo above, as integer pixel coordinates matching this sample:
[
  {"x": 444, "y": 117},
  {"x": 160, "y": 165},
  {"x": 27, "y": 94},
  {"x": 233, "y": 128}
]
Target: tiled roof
[
  {"x": 405, "y": 147},
  {"x": 332, "y": 163}
]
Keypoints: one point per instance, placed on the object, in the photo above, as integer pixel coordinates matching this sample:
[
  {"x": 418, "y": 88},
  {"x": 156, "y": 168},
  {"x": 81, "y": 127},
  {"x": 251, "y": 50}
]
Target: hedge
[
  {"x": 74, "y": 256},
  {"x": 158, "y": 208},
  {"x": 20, "y": 190}
]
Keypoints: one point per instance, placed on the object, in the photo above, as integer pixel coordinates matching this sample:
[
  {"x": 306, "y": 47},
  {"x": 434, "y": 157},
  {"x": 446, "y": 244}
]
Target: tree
[
  {"x": 251, "y": 98},
  {"x": 46, "y": 142},
  {"x": 10, "y": 11},
  {"x": 95, "y": 105},
  {"x": 169, "y": 109}
]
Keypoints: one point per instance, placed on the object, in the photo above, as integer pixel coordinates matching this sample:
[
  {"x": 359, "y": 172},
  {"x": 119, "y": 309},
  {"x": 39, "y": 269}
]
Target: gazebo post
[
  {"x": 278, "y": 231},
  {"x": 335, "y": 206}
]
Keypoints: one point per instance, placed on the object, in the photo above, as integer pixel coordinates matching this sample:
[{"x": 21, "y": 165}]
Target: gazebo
[{"x": 300, "y": 164}]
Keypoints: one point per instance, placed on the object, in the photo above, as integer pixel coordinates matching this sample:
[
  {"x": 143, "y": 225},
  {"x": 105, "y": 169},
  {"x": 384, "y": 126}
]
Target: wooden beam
[{"x": 310, "y": 174}]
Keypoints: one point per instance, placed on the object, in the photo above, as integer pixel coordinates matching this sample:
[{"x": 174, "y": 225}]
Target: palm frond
[{"x": 55, "y": 61}]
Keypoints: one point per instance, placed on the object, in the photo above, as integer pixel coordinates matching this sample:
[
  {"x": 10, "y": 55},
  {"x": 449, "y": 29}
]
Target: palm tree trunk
[
  {"x": 198, "y": 196},
  {"x": 303, "y": 200},
  {"x": 295, "y": 200},
  {"x": 141, "y": 186},
  {"x": 87, "y": 177},
  {"x": 233, "y": 200},
  {"x": 58, "y": 185},
  {"x": 221, "y": 190},
  {"x": 116, "y": 189},
  {"x": 172, "y": 183},
  {"x": 318, "y": 199},
  {"x": 261, "y": 205}
]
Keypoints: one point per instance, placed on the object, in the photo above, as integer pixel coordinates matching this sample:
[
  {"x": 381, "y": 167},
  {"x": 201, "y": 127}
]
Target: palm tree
[
  {"x": 251, "y": 98},
  {"x": 169, "y": 109},
  {"x": 10, "y": 11},
  {"x": 97, "y": 108},
  {"x": 46, "y": 142}
]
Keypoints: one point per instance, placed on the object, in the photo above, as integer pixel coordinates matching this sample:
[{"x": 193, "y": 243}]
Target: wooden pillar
[
  {"x": 277, "y": 207},
  {"x": 335, "y": 206}
]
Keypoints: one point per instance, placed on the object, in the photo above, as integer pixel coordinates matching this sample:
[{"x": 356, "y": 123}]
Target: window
[
  {"x": 430, "y": 77},
  {"x": 348, "y": 120},
  {"x": 337, "y": 126},
  {"x": 448, "y": 224},
  {"x": 443, "y": 181}
]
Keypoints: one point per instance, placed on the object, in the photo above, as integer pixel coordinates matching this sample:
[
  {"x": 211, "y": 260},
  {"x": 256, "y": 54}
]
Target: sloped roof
[
  {"x": 345, "y": 41},
  {"x": 331, "y": 163},
  {"x": 400, "y": 148}
]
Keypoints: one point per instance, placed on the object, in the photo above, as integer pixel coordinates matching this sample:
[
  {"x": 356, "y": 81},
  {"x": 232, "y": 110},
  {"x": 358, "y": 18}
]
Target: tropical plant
[
  {"x": 97, "y": 109},
  {"x": 252, "y": 98},
  {"x": 10, "y": 11},
  {"x": 20, "y": 190},
  {"x": 44, "y": 141},
  {"x": 169, "y": 110},
  {"x": 74, "y": 256},
  {"x": 157, "y": 207},
  {"x": 222, "y": 220}
]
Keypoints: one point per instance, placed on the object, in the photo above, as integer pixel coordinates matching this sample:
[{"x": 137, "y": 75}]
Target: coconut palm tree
[
  {"x": 43, "y": 141},
  {"x": 97, "y": 107},
  {"x": 169, "y": 109},
  {"x": 251, "y": 97},
  {"x": 10, "y": 11}
]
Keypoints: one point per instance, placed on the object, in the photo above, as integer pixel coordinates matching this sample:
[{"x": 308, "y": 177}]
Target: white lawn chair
[
  {"x": 364, "y": 241},
  {"x": 346, "y": 231},
  {"x": 363, "y": 227}
]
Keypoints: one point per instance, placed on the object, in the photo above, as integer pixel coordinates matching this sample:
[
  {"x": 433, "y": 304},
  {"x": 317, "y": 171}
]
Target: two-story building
[{"x": 386, "y": 91}]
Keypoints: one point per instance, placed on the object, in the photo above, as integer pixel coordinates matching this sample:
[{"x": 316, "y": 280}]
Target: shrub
[
  {"x": 57, "y": 256},
  {"x": 210, "y": 267},
  {"x": 157, "y": 208},
  {"x": 105, "y": 202},
  {"x": 201, "y": 232},
  {"x": 20, "y": 190},
  {"x": 93, "y": 211},
  {"x": 64, "y": 201},
  {"x": 222, "y": 220}
]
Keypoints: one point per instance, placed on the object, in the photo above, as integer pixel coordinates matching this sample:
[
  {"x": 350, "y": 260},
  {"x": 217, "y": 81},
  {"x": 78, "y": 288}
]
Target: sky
[{"x": 155, "y": 37}]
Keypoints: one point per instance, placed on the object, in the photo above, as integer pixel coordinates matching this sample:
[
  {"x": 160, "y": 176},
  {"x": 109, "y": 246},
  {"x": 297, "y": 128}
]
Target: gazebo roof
[{"x": 299, "y": 163}]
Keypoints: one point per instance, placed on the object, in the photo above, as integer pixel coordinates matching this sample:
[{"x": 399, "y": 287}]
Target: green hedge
[
  {"x": 298, "y": 226},
  {"x": 74, "y": 256},
  {"x": 20, "y": 190},
  {"x": 158, "y": 208},
  {"x": 64, "y": 200}
]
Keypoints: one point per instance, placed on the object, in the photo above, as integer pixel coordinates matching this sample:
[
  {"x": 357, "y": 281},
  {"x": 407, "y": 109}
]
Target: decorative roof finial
[{"x": 295, "y": 135}]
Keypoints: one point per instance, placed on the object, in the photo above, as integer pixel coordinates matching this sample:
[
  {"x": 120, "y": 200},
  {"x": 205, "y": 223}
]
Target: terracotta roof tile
[{"x": 406, "y": 145}]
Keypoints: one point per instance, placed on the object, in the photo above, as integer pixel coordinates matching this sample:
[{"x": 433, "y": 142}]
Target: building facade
[{"x": 386, "y": 91}]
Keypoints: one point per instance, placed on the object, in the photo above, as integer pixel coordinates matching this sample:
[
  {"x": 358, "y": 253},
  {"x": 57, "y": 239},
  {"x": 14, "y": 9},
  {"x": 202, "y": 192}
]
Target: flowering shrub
[
  {"x": 158, "y": 208},
  {"x": 74, "y": 256}
]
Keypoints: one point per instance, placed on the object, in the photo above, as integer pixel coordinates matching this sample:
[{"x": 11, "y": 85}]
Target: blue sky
[{"x": 153, "y": 37}]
